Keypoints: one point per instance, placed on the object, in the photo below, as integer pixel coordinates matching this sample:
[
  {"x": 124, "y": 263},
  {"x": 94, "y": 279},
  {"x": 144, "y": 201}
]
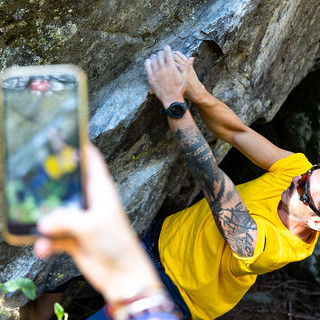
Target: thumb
[
  {"x": 99, "y": 186},
  {"x": 190, "y": 62},
  {"x": 188, "y": 66}
]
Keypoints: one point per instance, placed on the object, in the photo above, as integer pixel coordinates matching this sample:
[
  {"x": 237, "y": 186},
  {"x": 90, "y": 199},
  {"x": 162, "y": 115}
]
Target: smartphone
[{"x": 43, "y": 132}]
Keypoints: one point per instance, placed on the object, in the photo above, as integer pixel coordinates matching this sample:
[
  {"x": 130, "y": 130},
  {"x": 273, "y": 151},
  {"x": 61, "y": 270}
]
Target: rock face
[{"x": 249, "y": 53}]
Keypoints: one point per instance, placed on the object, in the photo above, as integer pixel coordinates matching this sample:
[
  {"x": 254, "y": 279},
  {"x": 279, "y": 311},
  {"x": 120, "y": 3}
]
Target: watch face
[{"x": 177, "y": 110}]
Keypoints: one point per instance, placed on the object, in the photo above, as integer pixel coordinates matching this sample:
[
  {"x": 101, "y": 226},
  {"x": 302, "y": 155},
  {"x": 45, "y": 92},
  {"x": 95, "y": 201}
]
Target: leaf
[
  {"x": 59, "y": 311},
  {"x": 25, "y": 285},
  {"x": 3, "y": 288}
]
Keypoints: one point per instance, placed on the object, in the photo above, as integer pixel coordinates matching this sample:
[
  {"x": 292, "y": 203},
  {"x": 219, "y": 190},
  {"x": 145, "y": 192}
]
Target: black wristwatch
[{"x": 176, "y": 110}]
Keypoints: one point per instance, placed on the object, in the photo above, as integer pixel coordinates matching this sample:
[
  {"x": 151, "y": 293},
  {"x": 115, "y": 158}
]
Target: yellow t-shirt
[{"x": 210, "y": 277}]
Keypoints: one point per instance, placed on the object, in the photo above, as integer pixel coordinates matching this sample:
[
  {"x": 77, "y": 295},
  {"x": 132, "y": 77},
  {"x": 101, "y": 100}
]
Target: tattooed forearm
[
  {"x": 198, "y": 155},
  {"x": 233, "y": 220}
]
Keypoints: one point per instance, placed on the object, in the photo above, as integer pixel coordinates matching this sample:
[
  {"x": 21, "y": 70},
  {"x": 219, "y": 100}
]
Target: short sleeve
[
  {"x": 292, "y": 164},
  {"x": 275, "y": 248}
]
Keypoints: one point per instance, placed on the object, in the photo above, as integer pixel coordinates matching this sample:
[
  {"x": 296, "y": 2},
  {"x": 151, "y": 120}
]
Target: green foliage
[
  {"x": 59, "y": 312},
  {"x": 25, "y": 285},
  {"x": 28, "y": 288},
  {"x": 26, "y": 210},
  {"x": 5, "y": 312},
  {"x": 3, "y": 288}
]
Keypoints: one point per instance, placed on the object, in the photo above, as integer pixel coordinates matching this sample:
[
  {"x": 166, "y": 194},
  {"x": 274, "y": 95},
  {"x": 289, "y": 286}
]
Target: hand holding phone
[{"x": 43, "y": 130}]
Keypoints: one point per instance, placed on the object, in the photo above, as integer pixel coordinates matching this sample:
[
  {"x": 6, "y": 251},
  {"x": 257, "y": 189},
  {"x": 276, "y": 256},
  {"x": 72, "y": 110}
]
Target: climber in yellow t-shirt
[
  {"x": 210, "y": 254},
  {"x": 64, "y": 162}
]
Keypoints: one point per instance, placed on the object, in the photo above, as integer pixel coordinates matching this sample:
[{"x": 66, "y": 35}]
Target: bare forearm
[
  {"x": 226, "y": 125},
  {"x": 218, "y": 117}
]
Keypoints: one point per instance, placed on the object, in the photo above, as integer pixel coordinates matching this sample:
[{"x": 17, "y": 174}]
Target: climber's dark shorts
[{"x": 150, "y": 242}]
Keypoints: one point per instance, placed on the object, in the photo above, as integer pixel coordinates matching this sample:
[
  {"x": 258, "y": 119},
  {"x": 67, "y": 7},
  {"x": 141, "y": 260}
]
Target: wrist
[
  {"x": 176, "y": 110},
  {"x": 151, "y": 301},
  {"x": 201, "y": 97},
  {"x": 167, "y": 103}
]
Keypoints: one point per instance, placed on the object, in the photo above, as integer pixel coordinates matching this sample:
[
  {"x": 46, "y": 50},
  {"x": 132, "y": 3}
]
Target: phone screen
[{"x": 42, "y": 153}]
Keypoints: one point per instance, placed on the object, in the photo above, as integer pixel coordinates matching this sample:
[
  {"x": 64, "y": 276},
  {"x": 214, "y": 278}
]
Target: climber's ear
[{"x": 314, "y": 223}]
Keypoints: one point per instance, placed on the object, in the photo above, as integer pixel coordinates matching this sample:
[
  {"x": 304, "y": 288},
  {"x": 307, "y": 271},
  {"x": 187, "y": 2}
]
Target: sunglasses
[{"x": 304, "y": 188}]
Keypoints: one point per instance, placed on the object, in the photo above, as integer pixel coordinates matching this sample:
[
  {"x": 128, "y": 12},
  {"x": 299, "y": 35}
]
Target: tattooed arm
[{"x": 233, "y": 220}]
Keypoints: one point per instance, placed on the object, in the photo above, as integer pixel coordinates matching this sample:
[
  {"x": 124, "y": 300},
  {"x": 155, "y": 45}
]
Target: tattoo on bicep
[{"x": 238, "y": 228}]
